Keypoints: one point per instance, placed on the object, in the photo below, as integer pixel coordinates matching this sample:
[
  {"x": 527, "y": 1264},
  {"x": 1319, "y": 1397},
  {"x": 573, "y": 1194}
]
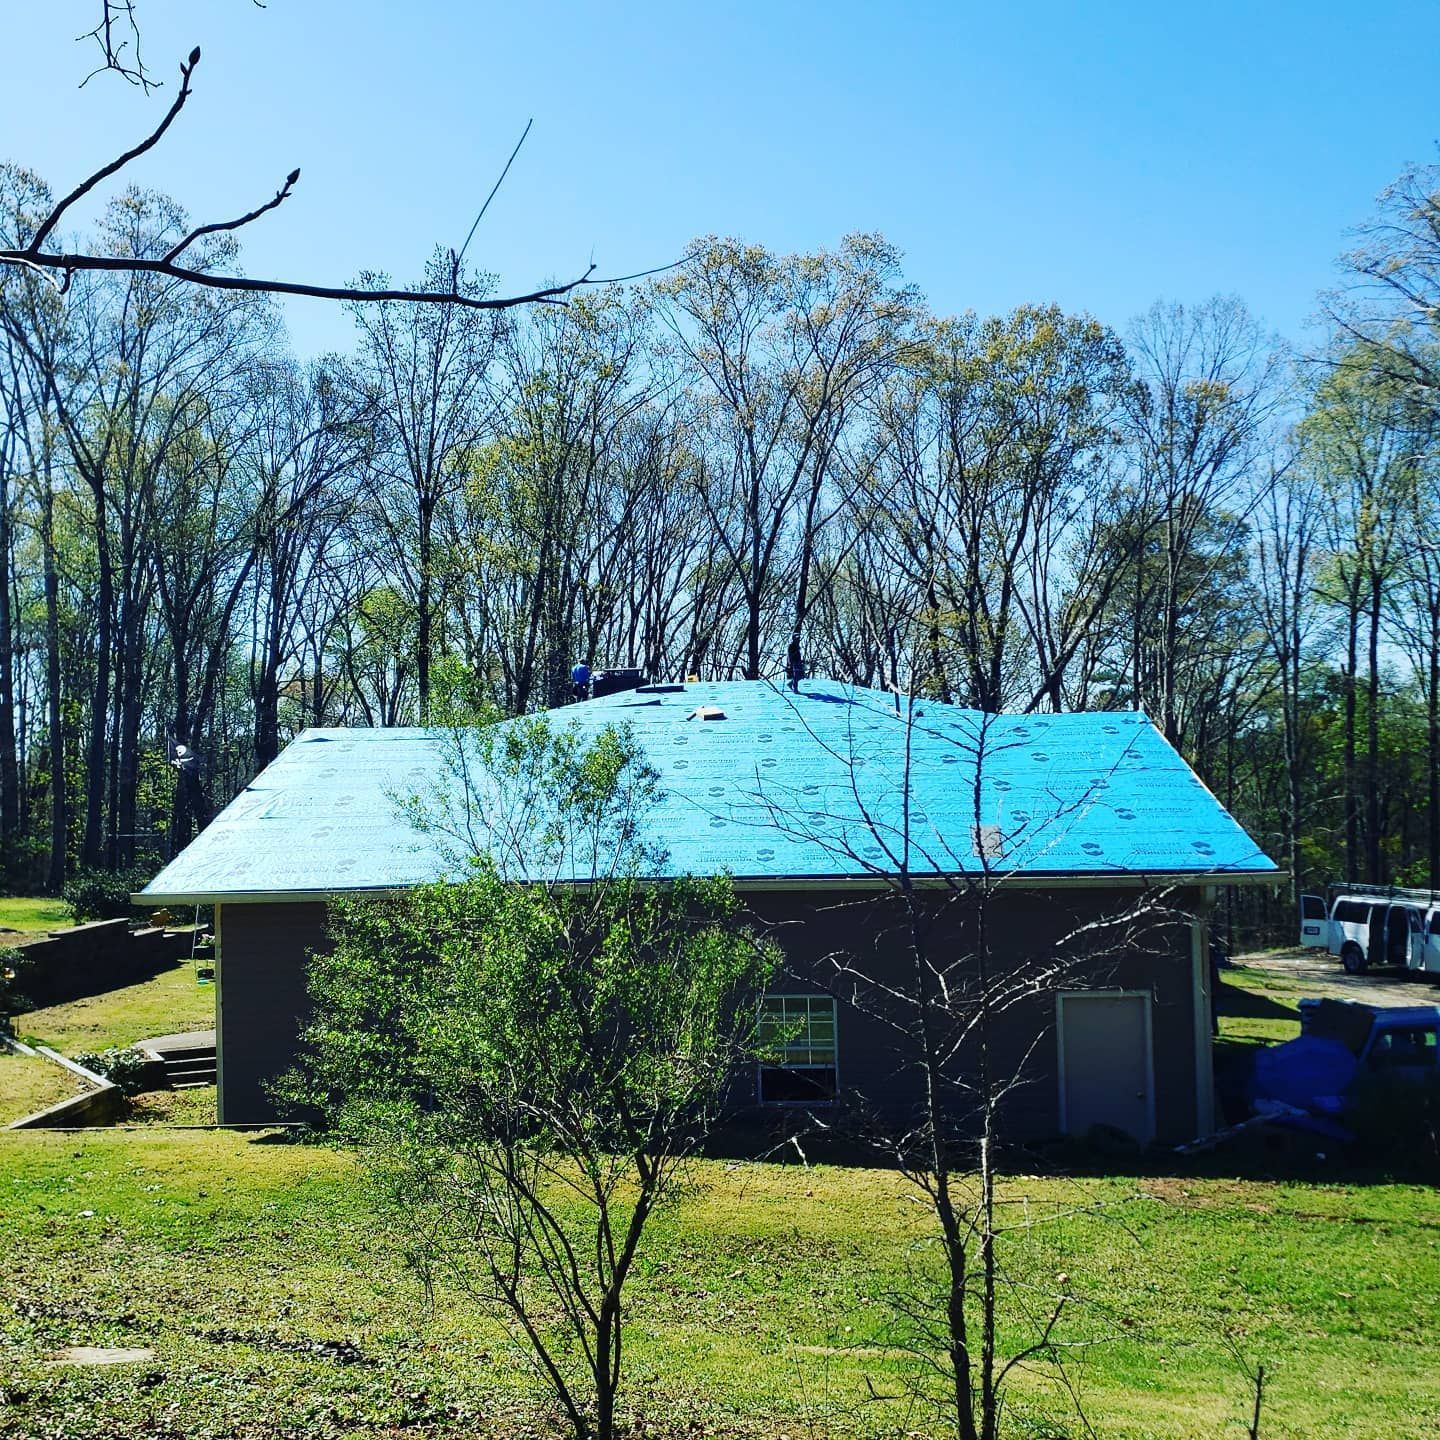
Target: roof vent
[
  {"x": 987, "y": 842},
  {"x": 706, "y": 712}
]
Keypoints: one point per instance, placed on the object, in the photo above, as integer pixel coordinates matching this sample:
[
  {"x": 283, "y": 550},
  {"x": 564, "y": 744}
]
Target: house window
[{"x": 797, "y": 1038}]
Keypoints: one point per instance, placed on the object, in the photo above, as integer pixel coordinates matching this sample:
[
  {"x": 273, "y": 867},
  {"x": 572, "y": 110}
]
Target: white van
[{"x": 1374, "y": 925}]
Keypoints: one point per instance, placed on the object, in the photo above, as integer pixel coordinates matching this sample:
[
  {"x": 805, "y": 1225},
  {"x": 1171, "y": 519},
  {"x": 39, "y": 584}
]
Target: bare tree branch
[
  {"x": 69, "y": 263},
  {"x": 281, "y": 195},
  {"x": 187, "y": 68},
  {"x": 116, "y": 16}
]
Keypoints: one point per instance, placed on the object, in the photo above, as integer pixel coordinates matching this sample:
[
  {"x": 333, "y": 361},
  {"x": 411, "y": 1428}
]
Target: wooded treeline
[{"x": 208, "y": 544}]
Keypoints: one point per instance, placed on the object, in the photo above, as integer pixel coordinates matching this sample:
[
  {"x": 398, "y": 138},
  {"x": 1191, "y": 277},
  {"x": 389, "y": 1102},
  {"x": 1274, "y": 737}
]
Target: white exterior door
[
  {"x": 1314, "y": 923},
  {"x": 1106, "y": 1062},
  {"x": 1430, "y": 943}
]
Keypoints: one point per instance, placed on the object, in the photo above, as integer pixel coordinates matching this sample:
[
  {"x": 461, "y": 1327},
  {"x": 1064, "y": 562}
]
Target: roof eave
[{"x": 1019, "y": 880}]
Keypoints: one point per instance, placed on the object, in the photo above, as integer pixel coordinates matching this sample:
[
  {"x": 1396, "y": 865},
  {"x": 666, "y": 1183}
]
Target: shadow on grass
[
  {"x": 1272, "y": 1153},
  {"x": 1239, "y": 1003},
  {"x": 1267, "y": 1153},
  {"x": 64, "y": 987}
]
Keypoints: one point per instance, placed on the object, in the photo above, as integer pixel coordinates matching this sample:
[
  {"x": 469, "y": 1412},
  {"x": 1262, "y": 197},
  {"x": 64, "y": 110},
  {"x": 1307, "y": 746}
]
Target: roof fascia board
[{"x": 1037, "y": 880}]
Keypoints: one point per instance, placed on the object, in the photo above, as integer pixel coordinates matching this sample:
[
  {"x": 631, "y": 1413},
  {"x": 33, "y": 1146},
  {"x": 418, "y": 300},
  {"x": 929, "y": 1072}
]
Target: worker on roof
[{"x": 794, "y": 663}]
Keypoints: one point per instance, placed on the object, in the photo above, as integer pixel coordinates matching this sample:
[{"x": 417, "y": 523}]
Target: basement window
[{"x": 797, "y": 1039}]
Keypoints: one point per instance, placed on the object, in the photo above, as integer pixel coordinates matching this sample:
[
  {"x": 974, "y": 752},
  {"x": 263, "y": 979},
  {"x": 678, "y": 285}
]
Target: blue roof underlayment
[{"x": 778, "y": 790}]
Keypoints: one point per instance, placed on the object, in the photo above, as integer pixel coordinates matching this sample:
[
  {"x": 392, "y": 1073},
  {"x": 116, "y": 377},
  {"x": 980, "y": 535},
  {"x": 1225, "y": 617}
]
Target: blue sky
[{"x": 1101, "y": 156}]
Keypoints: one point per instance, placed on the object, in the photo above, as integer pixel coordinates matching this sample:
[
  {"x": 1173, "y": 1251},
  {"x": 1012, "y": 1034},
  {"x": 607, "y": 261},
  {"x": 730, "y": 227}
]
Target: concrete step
[
  {"x": 186, "y": 1060},
  {"x": 186, "y": 1069}
]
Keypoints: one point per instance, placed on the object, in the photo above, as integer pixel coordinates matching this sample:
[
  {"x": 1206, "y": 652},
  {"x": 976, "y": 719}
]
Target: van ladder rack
[{"x": 1386, "y": 892}]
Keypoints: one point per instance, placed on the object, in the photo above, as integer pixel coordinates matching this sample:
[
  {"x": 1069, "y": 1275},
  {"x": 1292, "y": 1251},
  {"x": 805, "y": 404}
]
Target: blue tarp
[
  {"x": 1305, "y": 1073},
  {"x": 807, "y": 787}
]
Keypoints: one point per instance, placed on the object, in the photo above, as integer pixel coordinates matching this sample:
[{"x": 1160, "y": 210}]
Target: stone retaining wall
[
  {"x": 99, "y": 1105},
  {"x": 90, "y": 959}
]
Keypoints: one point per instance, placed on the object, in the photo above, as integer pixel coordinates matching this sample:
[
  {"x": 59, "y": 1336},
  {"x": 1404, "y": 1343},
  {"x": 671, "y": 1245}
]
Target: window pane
[
  {"x": 799, "y": 1031},
  {"x": 779, "y": 1086}
]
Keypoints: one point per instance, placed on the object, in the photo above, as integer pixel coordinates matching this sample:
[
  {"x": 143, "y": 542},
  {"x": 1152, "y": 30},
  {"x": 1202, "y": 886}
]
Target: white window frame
[
  {"x": 1149, "y": 1008},
  {"x": 810, "y": 997}
]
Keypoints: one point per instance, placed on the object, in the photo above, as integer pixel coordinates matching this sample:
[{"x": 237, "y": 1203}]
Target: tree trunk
[
  {"x": 1432, "y": 752},
  {"x": 92, "y": 845},
  {"x": 131, "y": 704},
  {"x": 1372, "y": 756},
  {"x": 9, "y": 768},
  {"x": 59, "y": 838},
  {"x": 1352, "y": 805},
  {"x": 267, "y": 692},
  {"x": 423, "y": 619}
]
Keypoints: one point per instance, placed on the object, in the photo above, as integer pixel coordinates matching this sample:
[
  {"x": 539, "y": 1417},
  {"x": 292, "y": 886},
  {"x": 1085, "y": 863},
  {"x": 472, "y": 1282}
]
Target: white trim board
[{"x": 998, "y": 883}]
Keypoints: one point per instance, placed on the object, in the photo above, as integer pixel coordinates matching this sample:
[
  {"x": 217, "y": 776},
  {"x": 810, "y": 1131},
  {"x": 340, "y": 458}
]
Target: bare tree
[
  {"x": 423, "y": 374},
  {"x": 1288, "y": 551},
  {"x": 784, "y": 350},
  {"x": 310, "y": 447},
  {"x": 1392, "y": 309},
  {"x": 1358, "y": 442},
  {"x": 989, "y": 496},
  {"x": 553, "y": 509},
  {"x": 1199, "y": 418},
  {"x": 37, "y": 252},
  {"x": 963, "y": 974}
]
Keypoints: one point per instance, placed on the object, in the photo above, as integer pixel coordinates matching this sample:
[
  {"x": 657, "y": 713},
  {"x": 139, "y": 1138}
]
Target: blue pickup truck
[{"x": 1342, "y": 1046}]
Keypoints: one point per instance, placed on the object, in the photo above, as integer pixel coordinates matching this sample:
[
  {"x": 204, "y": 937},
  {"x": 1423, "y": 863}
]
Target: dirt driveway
[{"x": 1320, "y": 975}]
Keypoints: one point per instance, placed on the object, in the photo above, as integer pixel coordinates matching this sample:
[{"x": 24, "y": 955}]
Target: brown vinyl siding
[
  {"x": 261, "y": 975},
  {"x": 263, "y": 998}
]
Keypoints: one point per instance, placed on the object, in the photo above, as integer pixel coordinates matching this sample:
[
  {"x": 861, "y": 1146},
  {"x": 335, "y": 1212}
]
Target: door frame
[{"x": 1147, "y": 996}]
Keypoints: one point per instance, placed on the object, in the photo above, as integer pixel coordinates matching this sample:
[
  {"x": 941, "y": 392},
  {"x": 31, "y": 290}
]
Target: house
[{"x": 808, "y": 801}]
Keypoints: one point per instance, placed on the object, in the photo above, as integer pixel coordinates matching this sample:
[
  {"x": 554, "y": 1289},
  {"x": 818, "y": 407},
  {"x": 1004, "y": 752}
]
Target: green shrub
[
  {"x": 12, "y": 969},
  {"x": 23, "y": 860},
  {"x": 123, "y": 1067},
  {"x": 102, "y": 894}
]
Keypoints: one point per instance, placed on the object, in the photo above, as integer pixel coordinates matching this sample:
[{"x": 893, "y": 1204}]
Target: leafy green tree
[
  {"x": 1393, "y": 311},
  {"x": 422, "y": 374},
  {"x": 783, "y": 351},
  {"x": 1360, "y": 441},
  {"x": 525, "y": 1062},
  {"x": 992, "y": 487}
]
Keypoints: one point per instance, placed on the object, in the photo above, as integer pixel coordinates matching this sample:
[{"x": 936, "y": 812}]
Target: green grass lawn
[
  {"x": 33, "y": 914},
  {"x": 759, "y": 1310},
  {"x": 29, "y": 1083},
  {"x": 167, "y": 1002},
  {"x": 1259, "y": 1007},
  {"x": 191, "y": 1106}
]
